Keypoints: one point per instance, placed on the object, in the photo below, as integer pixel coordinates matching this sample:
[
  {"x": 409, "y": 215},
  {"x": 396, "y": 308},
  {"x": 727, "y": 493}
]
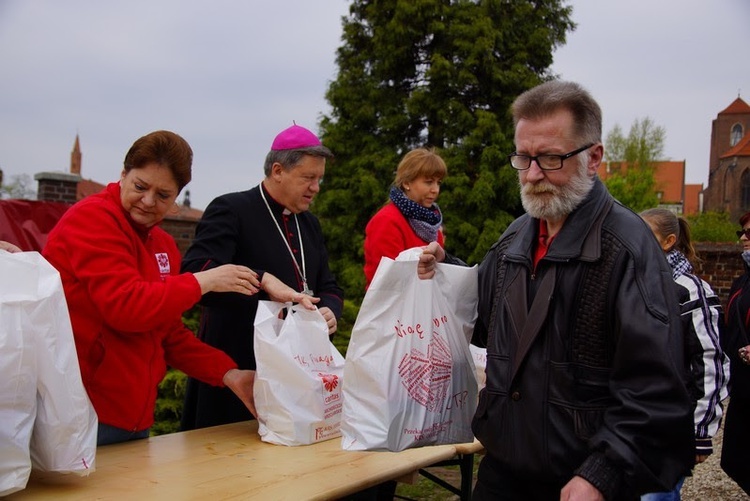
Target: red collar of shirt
[{"x": 543, "y": 242}]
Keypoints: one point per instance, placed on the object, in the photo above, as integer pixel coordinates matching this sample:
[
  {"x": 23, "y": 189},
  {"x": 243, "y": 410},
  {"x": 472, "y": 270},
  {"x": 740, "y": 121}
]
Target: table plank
[
  {"x": 470, "y": 447},
  {"x": 230, "y": 462}
]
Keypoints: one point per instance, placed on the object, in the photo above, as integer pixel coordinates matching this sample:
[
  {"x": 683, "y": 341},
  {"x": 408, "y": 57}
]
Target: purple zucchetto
[{"x": 294, "y": 138}]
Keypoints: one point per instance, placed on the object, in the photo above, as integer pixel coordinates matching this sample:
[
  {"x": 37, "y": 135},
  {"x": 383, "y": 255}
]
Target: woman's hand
[
  {"x": 282, "y": 293},
  {"x": 745, "y": 354},
  {"x": 7, "y": 246},
  {"x": 241, "y": 384},
  {"x": 228, "y": 278}
]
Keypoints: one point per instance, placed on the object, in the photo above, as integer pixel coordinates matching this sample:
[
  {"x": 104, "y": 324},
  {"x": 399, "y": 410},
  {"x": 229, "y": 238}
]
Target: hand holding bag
[
  {"x": 410, "y": 377},
  {"x": 298, "y": 377}
]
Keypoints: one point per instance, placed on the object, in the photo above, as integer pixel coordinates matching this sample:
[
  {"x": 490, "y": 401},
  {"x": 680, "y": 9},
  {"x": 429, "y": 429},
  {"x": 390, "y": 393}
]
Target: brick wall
[
  {"x": 182, "y": 230},
  {"x": 720, "y": 265}
]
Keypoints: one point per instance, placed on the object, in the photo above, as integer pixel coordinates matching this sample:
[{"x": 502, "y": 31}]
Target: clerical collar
[{"x": 275, "y": 204}]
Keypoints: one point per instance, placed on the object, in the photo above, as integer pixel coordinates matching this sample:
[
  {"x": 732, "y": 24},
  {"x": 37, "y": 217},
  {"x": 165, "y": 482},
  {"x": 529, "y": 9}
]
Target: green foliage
[
  {"x": 644, "y": 144},
  {"x": 345, "y": 325},
  {"x": 171, "y": 392},
  {"x": 631, "y": 162},
  {"x": 635, "y": 188},
  {"x": 433, "y": 73},
  {"x": 168, "y": 410},
  {"x": 192, "y": 319},
  {"x": 712, "y": 227}
]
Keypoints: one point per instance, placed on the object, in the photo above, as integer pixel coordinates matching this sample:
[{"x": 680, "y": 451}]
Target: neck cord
[{"x": 302, "y": 271}]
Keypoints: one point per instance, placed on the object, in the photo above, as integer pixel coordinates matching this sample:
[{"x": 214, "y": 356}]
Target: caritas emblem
[
  {"x": 163, "y": 260},
  {"x": 330, "y": 381}
]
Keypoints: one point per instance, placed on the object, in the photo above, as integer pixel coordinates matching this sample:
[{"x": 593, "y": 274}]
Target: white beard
[{"x": 543, "y": 200}]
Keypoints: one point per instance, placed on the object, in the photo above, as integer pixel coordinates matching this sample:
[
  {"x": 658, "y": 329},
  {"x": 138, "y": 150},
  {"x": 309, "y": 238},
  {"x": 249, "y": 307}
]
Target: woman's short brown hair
[
  {"x": 420, "y": 162},
  {"x": 166, "y": 149}
]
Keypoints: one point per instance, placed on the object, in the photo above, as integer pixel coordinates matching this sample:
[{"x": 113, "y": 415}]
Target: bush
[
  {"x": 345, "y": 326},
  {"x": 168, "y": 412},
  {"x": 712, "y": 227}
]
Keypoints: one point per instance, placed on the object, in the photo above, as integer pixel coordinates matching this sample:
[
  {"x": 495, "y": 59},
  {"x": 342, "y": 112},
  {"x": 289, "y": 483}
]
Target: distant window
[
  {"x": 745, "y": 187},
  {"x": 736, "y": 135}
]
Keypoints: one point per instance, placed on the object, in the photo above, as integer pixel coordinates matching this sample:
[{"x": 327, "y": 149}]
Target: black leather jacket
[
  {"x": 735, "y": 335},
  {"x": 599, "y": 392}
]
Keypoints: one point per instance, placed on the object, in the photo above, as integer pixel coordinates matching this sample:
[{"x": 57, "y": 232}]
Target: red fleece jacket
[{"x": 126, "y": 300}]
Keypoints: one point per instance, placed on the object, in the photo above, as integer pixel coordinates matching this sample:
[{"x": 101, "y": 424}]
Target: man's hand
[
  {"x": 580, "y": 489},
  {"x": 431, "y": 255},
  {"x": 330, "y": 319},
  {"x": 241, "y": 383}
]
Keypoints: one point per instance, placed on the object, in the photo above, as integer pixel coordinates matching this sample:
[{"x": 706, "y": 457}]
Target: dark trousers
[
  {"x": 735, "y": 446},
  {"x": 107, "y": 434},
  {"x": 497, "y": 484}
]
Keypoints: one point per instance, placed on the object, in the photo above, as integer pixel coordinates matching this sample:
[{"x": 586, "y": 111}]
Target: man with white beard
[{"x": 584, "y": 397}]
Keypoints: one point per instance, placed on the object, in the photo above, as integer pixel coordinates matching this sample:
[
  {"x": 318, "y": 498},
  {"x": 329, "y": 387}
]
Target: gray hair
[
  {"x": 289, "y": 159},
  {"x": 549, "y": 97}
]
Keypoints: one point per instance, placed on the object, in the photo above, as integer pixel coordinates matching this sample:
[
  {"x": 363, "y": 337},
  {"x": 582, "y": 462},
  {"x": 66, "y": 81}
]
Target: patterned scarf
[
  {"x": 425, "y": 222},
  {"x": 679, "y": 264},
  {"x": 746, "y": 257}
]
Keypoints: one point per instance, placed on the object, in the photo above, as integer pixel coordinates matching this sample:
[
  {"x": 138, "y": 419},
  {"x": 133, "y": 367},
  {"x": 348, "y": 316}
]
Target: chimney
[
  {"x": 57, "y": 187},
  {"x": 75, "y": 158}
]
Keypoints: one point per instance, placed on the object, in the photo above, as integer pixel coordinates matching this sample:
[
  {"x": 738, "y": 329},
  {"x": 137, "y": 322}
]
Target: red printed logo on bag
[
  {"x": 330, "y": 381},
  {"x": 426, "y": 377},
  {"x": 162, "y": 259}
]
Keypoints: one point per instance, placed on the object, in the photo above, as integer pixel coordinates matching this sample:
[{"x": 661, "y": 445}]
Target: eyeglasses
[
  {"x": 744, "y": 231},
  {"x": 545, "y": 162}
]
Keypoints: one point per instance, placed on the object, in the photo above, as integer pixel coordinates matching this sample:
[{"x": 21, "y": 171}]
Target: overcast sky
[{"x": 228, "y": 75}]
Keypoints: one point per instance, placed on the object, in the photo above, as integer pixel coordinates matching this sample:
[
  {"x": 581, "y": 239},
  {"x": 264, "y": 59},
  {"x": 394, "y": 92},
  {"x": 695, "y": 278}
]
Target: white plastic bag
[
  {"x": 409, "y": 375},
  {"x": 298, "y": 377},
  {"x": 48, "y": 420},
  {"x": 17, "y": 371},
  {"x": 65, "y": 430},
  {"x": 480, "y": 362}
]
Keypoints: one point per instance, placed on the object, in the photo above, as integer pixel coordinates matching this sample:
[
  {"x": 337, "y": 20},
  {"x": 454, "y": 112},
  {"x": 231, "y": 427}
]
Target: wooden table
[
  {"x": 464, "y": 458},
  {"x": 231, "y": 462}
]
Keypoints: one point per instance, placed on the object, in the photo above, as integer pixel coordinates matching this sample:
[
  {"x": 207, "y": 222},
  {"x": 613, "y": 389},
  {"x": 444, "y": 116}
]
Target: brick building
[
  {"x": 728, "y": 187},
  {"x": 671, "y": 189}
]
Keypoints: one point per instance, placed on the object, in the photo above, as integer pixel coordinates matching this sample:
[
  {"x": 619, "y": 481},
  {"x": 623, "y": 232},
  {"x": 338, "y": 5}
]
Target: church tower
[
  {"x": 75, "y": 158},
  {"x": 728, "y": 187}
]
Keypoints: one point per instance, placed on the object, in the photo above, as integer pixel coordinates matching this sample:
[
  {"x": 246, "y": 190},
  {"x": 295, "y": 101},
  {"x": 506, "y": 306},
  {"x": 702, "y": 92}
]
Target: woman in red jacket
[
  {"x": 120, "y": 273},
  {"x": 411, "y": 218}
]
